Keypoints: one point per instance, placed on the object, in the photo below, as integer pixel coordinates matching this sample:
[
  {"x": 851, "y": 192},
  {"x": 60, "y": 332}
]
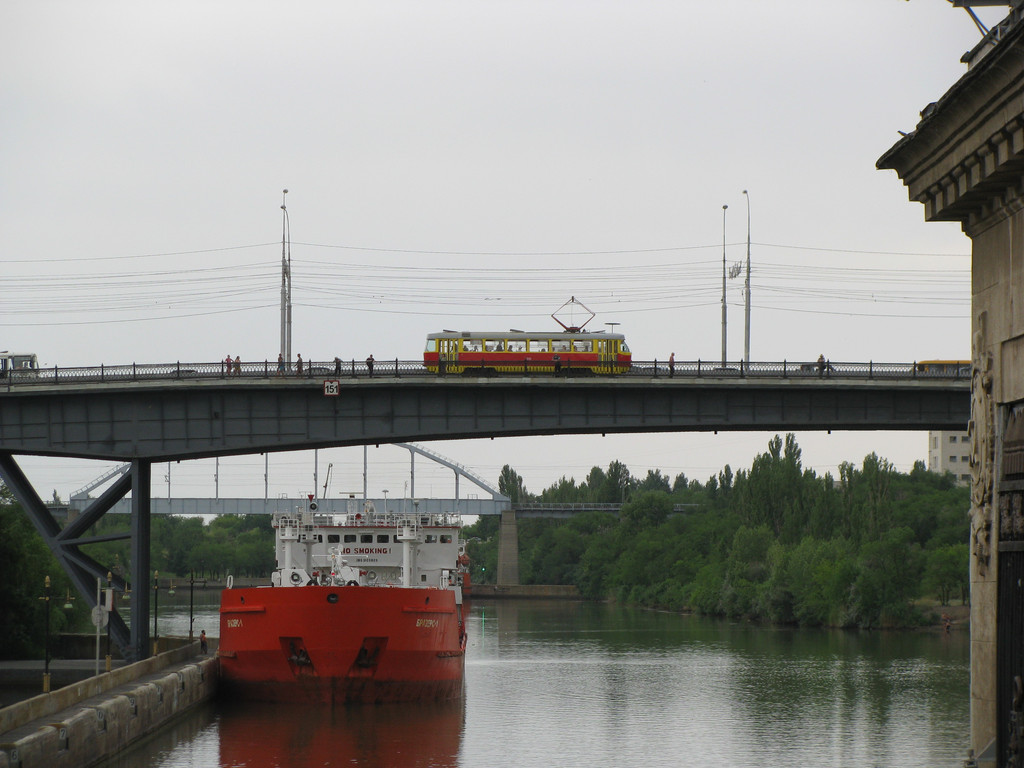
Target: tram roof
[{"x": 525, "y": 335}]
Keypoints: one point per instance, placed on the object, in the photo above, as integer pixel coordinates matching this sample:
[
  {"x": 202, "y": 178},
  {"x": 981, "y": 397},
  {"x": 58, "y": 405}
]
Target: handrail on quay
[{"x": 339, "y": 369}]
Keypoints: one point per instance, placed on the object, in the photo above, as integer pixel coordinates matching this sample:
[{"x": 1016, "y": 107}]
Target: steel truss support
[{"x": 83, "y": 570}]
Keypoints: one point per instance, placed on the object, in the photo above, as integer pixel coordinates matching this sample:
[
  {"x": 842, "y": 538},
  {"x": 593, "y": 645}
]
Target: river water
[{"x": 562, "y": 684}]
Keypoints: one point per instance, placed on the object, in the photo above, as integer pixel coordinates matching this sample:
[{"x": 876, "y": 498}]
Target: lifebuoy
[
  {"x": 352, "y": 583},
  {"x": 231, "y": 582}
]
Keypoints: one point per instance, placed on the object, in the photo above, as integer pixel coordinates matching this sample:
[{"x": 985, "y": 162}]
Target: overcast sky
[{"x": 472, "y": 165}]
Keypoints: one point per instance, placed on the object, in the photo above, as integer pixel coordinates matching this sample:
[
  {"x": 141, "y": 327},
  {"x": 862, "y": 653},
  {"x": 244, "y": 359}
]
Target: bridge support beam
[
  {"x": 141, "y": 474},
  {"x": 66, "y": 542},
  {"x": 508, "y": 550}
]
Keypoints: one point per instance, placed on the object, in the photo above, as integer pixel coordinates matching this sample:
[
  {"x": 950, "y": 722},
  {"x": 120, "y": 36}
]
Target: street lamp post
[
  {"x": 156, "y": 592},
  {"x": 746, "y": 292},
  {"x": 286, "y": 283},
  {"x": 724, "y": 208},
  {"x": 110, "y": 607},
  {"x": 46, "y": 640},
  {"x": 191, "y": 603}
]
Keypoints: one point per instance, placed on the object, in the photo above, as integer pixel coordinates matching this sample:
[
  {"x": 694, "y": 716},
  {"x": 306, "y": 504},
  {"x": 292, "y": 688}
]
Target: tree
[
  {"x": 947, "y": 571},
  {"x": 655, "y": 481},
  {"x": 25, "y": 562},
  {"x": 511, "y": 484},
  {"x": 888, "y": 580},
  {"x": 617, "y": 484}
]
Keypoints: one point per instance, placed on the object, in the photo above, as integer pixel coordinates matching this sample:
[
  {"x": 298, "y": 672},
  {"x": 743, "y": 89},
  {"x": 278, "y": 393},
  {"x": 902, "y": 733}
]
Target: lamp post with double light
[
  {"x": 724, "y": 312},
  {"x": 746, "y": 292}
]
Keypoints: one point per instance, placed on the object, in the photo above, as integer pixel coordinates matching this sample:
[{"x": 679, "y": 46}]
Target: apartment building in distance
[{"x": 950, "y": 451}]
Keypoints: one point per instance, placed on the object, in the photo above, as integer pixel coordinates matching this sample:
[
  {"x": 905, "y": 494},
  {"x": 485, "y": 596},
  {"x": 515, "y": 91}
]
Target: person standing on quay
[
  {"x": 369, "y": 365},
  {"x": 298, "y": 365}
]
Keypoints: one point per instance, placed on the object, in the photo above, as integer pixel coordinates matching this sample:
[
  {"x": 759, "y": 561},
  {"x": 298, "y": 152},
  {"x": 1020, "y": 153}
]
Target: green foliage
[
  {"x": 511, "y": 484},
  {"x": 773, "y": 543},
  {"x": 946, "y": 572},
  {"x": 25, "y": 562}
]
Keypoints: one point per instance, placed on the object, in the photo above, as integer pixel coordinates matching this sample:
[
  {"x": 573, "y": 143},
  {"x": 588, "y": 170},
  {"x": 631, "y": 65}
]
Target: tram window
[
  {"x": 431, "y": 345},
  {"x": 559, "y": 346},
  {"x": 446, "y": 538},
  {"x": 496, "y": 346},
  {"x": 472, "y": 345},
  {"x": 382, "y": 538},
  {"x": 582, "y": 346},
  {"x": 623, "y": 348},
  {"x": 538, "y": 345},
  {"x": 333, "y": 538},
  {"x": 517, "y": 346},
  {"x": 366, "y": 538},
  {"x": 350, "y": 538}
]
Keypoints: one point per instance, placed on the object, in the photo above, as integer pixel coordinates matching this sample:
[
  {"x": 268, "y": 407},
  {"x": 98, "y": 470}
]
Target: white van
[{"x": 16, "y": 365}]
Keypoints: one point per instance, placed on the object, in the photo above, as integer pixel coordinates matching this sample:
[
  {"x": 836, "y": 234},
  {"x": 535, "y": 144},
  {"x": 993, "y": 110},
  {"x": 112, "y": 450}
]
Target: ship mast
[{"x": 286, "y": 283}]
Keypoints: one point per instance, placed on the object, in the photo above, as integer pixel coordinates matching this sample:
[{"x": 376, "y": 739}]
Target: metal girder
[
  {"x": 179, "y": 421},
  {"x": 65, "y": 543}
]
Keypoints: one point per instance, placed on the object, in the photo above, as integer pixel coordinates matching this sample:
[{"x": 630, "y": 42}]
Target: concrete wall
[
  {"x": 89, "y": 728},
  {"x": 508, "y": 549},
  {"x": 528, "y": 591}
]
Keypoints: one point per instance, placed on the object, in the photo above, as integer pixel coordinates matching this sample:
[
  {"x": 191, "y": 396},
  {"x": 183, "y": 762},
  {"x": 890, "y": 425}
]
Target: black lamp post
[
  {"x": 110, "y": 602},
  {"x": 156, "y": 592},
  {"x": 191, "y": 599},
  {"x": 46, "y": 640}
]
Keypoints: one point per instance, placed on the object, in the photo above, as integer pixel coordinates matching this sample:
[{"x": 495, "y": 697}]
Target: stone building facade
[{"x": 965, "y": 162}]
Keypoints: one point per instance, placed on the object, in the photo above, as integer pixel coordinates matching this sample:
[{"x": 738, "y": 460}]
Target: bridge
[{"x": 153, "y": 413}]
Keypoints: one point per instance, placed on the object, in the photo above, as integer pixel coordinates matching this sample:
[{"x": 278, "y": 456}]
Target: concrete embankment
[
  {"x": 528, "y": 591},
  {"x": 90, "y": 721}
]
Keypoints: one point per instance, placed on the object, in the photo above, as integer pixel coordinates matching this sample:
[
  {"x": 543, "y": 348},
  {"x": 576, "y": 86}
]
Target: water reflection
[
  {"x": 393, "y": 736},
  {"x": 580, "y": 684}
]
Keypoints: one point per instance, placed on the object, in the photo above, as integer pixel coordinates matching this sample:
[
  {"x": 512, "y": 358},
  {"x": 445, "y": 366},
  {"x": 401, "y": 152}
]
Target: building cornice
[{"x": 965, "y": 160}]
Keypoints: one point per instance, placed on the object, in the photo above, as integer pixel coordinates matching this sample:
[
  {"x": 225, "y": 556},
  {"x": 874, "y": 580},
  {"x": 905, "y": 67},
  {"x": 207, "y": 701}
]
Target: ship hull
[{"x": 341, "y": 644}]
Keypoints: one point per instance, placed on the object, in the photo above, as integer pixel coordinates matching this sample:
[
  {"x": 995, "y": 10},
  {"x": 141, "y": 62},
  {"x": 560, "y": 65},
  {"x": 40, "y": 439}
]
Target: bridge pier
[
  {"x": 141, "y": 474},
  {"x": 508, "y": 550}
]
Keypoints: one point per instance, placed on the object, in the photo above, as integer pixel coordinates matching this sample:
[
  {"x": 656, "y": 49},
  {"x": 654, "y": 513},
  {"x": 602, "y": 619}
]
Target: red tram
[{"x": 523, "y": 352}]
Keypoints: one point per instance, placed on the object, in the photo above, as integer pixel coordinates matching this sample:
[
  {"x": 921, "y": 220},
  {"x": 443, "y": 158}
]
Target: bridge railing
[{"x": 394, "y": 368}]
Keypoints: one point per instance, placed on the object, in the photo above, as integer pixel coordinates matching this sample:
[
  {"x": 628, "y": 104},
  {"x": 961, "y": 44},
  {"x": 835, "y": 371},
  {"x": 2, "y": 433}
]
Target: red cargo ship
[{"x": 364, "y": 607}]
